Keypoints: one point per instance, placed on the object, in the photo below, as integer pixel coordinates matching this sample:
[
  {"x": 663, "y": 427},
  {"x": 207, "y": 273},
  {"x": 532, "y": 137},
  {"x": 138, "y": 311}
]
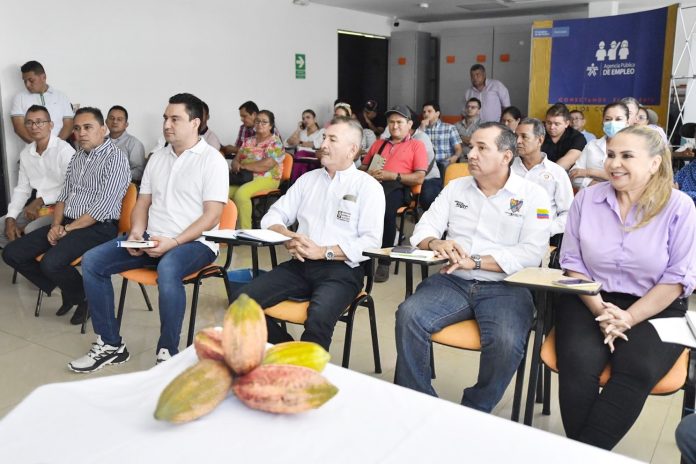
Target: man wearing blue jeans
[
  {"x": 496, "y": 223},
  {"x": 182, "y": 194}
]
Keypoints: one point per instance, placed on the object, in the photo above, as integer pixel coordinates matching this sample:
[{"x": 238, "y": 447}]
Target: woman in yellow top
[{"x": 262, "y": 155}]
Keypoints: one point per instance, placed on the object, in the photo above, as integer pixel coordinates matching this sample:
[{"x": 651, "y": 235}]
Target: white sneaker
[
  {"x": 99, "y": 356},
  {"x": 163, "y": 355}
]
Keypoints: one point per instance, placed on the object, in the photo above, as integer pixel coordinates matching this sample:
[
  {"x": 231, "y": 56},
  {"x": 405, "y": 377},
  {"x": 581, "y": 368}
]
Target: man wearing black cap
[{"x": 398, "y": 163}]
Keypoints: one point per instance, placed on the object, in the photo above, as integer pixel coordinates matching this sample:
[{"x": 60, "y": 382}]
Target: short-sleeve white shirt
[
  {"x": 554, "y": 179},
  {"x": 55, "y": 101},
  {"x": 180, "y": 184},
  {"x": 592, "y": 157},
  {"x": 512, "y": 225}
]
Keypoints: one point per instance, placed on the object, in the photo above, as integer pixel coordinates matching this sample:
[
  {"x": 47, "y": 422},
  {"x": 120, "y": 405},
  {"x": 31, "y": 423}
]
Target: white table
[{"x": 109, "y": 420}]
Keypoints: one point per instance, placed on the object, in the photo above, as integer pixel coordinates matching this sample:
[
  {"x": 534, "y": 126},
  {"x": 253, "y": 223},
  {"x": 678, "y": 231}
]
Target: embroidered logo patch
[
  {"x": 542, "y": 213},
  {"x": 459, "y": 204},
  {"x": 515, "y": 205},
  {"x": 343, "y": 216}
]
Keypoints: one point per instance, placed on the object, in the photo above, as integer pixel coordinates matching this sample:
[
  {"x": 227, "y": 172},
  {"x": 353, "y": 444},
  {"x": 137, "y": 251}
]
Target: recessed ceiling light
[{"x": 424, "y": 5}]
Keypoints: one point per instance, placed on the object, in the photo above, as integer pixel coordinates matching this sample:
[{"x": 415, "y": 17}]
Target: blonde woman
[{"x": 637, "y": 236}]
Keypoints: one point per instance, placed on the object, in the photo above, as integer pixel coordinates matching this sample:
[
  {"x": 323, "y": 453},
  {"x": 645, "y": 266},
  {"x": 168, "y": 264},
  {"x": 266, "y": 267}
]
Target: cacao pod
[
  {"x": 307, "y": 354},
  {"x": 244, "y": 335},
  {"x": 283, "y": 389},
  {"x": 208, "y": 344},
  {"x": 195, "y": 392}
]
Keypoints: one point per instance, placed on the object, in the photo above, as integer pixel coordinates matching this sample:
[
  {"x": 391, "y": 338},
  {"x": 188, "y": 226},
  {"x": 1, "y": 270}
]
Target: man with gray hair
[
  {"x": 497, "y": 223},
  {"x": 534, "y": 165},
  {"x": 340, "y": 212}
]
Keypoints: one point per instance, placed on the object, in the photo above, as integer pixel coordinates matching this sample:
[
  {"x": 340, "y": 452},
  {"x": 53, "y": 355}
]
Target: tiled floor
[{"x": 35, "y": 351}]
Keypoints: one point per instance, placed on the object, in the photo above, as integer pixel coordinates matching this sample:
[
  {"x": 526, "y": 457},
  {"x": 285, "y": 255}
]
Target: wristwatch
[
  {"x": 398, "y": 177},
  {"x": 329, "y": 255},
  {"x": 477, "y": 261}
]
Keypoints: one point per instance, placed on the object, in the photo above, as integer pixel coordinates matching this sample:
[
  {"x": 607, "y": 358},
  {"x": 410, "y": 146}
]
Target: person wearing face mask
[{"x": 589, "y": 168}]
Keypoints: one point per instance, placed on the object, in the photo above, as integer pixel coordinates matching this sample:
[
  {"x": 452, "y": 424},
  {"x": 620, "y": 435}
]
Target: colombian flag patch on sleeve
[{"x": 542, "y": 213}]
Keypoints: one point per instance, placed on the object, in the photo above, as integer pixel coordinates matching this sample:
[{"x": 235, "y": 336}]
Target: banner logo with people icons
[
  {"x": 588, "y": 63},
  {"x": 604, "y": 59}
]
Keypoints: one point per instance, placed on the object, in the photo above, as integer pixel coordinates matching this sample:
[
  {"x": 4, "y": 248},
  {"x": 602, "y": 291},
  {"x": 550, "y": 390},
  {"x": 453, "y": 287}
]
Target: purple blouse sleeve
[
  {"x": 571, "y": 256},
  {"x": 682, "y": 246}
]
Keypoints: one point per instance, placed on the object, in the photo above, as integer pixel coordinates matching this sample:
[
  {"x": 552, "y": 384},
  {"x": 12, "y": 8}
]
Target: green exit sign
[{"x": 300, "y": 66}]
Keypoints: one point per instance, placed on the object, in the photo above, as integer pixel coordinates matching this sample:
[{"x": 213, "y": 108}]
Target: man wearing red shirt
[{"x": 398, "y": 163}]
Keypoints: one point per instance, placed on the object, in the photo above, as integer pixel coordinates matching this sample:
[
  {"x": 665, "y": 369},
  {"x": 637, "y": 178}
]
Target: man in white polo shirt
[
  {"x": 182, "y": 194},
  {"x": 38, "y": 92},
  {"x": 496, "y": 223},
  {"x": 42, "y": 167},
  {"x": 340, "y": 213},
  {"x": 533, "y": 165}
]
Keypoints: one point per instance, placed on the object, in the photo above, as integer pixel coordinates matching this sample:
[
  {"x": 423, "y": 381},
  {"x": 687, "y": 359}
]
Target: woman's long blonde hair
[{"x": 659, "y": 187}]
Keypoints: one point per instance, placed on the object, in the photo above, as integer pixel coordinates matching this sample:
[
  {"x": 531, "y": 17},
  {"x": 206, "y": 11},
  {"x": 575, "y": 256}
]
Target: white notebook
[{"x": 261, "y": 235}]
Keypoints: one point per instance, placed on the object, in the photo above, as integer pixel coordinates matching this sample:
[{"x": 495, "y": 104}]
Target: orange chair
[
  {"x": 295, "y": 312},
  {"x": 146, "y": 276},
  {"x": 679, "y": 377},
  {"x": 454, "y": 171},
  {"x": 466, "y": 335},
  {"x": 124, "y": 222},
  {"x": 261, "y": 200},
  {"x": 402, "y": 212}
]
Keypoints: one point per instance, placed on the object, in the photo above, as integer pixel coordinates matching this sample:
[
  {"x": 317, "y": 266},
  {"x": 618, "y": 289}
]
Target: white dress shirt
[
  {"x": 592, "y": 157},
  {"x": 45, "y": 173},
  {"x": 347, "y": 210},
  {"x": 554, "y": 179},
  {"x": 512, "y": 225},
  {"x": 180, "y": 184}
]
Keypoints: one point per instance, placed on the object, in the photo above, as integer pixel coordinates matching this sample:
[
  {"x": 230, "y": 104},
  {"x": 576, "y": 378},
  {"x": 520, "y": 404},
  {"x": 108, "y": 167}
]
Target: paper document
[
  {"x": 424, "y": 255},
  {"x": 261, "y": 235},
  {"x": 136, "y": 244},
  {"x": 675, "y": 330},
  {"x": 377, "y": 163}
]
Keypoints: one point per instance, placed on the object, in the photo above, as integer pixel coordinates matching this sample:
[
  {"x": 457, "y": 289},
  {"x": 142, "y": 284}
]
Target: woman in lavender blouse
[{"x": 637, "y": 236}]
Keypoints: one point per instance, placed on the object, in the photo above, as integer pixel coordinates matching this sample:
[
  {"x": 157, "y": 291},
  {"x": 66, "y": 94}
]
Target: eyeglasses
[
  {"x": 39, "y": 124},
  {"x": 259, "y": 122}
]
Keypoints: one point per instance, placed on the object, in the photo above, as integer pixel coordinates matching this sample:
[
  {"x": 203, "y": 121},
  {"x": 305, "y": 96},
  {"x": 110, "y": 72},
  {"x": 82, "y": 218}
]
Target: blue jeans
[
  {"x": 100, "y": 263},
  {"x": 504, "y": 315},
  {"x": 686, "y": 438},
  {"x": 429, "y": 191}
]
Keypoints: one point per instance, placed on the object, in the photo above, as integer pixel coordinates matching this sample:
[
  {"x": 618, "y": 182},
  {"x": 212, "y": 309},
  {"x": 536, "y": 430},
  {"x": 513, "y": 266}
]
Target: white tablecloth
[{"x": 110, "y": 420}]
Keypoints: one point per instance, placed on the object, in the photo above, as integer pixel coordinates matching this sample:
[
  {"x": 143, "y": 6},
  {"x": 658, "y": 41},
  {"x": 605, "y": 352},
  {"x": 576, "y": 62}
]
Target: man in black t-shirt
[{"x": 562, "y": 143}]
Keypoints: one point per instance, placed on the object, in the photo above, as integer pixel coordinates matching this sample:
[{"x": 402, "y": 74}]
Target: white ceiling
[{"x": 445, "y": 10}]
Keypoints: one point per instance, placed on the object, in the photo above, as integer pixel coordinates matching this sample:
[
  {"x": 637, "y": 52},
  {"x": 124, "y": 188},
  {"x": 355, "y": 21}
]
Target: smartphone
[
  {"x": 573, "y": 281},
  {"x": 302, "y": 126},
  {"x": 403, "y": 249}
]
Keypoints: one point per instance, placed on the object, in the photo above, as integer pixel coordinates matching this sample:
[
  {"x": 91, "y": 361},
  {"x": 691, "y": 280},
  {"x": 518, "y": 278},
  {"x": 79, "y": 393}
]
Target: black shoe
[
  {"x": 382, "y": 273},
  {"x": 81, "y": 314},
  {"x": 64, "y": 309}
]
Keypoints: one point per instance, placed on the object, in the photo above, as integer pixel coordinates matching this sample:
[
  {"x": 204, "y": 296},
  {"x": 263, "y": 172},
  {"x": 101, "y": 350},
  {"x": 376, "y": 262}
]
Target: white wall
[{"x": 139, "y": 53}]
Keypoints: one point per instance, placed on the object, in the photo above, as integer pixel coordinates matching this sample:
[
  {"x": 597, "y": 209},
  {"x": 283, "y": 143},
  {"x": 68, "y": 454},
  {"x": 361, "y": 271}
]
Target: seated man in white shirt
[
  {"x": 533, "y": 165},
  {"x": 42, "y": 167},
  {"x": 183, "y": 192},
  {"x": 117, "y": 122},
  {"x": 340, "y": 212},
  {"x": 497, "y": 224}
]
